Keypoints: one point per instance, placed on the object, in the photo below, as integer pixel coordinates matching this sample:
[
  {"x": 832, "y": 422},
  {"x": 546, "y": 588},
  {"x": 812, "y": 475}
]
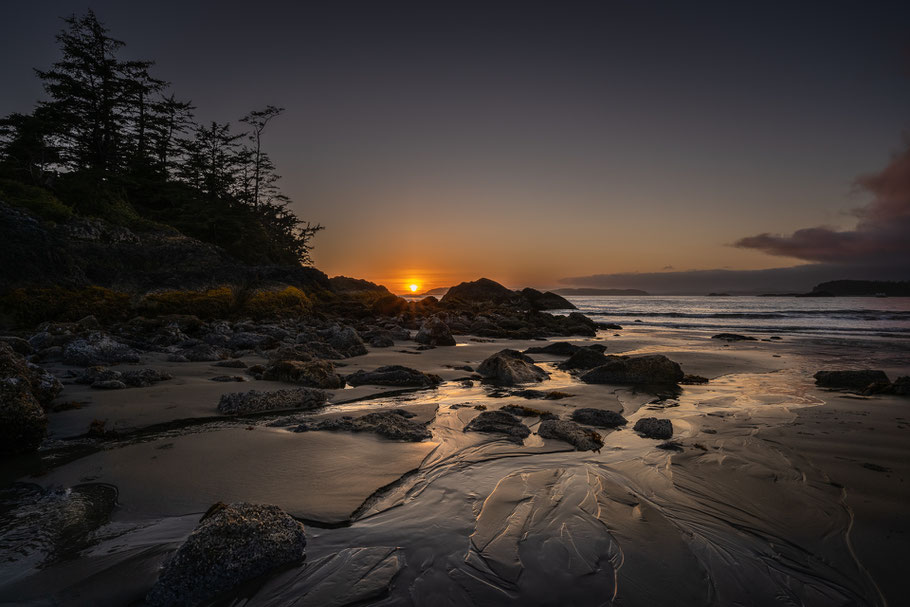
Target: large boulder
[
  {"x": 857, "y": 380},
  {"x": 434, "y": 332},
  {"x": 98, "y": 349},
  {"x": 232, "y": 544},
  {"x": 478, "y": 291},
  {"x": 254, "y": 401},
  {"x": 394, "y": 375},
  {"x": 652, "y": 427},
  {"x": 583, "y": 359},
  {"x": 648, "y": 369},
  {"x": 346, "y": 341},
  {"x": 499, "y": 422},
  {"x": 510, "y": 367},
  {"x": 22, "y": 419},
  {"x": 601, "y": 418},
  {"x": 581, "y": 438},
  {"x": 314, "y": 373},
  {"x": 395, "y": 425},
  {"x": 546, "y": 301}
]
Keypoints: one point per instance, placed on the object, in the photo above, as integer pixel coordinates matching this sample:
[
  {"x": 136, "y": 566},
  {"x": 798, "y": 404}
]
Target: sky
[{"x": 548, "y": 144}]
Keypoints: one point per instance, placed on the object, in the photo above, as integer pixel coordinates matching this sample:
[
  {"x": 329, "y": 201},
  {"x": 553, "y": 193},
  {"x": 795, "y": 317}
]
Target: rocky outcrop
[
  {"x": 563, "y": 348},
  {"x": 856, "y": 380},
  {"x": 733, "y": 337},
  {"x": 482, "y": 290},
  {"x": 314, "y": 373},
  {"x": 583, "y": 359},
  {"x": 395, "y": 425},
  {"x": 98, "y": 349},
  {"x": 653, "y": 369},
  {"x": 394, "y": 375},
  {"x": 25, "y": 390},
  {"x": 601, "y": 418},
  {"x": 546, "y": 301},
  {"x": 255, "y": 401},
  {"x": 510, "y": 367},
  {"x": 580, "y": 438},
  {"x": 651, "y": 427},
  {"x": 233, "y": 543},
  {"x": 499, "y": 422},
  {"x": 434, "y": 332},
  {"x": 102, "y": 377},
  {"x": 346, "y": 341}
]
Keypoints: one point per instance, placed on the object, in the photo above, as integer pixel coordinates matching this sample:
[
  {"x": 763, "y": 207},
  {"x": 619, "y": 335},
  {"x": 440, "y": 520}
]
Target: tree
[{"x": 258, "y": 120}]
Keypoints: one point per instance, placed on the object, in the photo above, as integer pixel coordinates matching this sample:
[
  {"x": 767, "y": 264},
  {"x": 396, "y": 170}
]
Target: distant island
[
  {"x": 853, "y": 288},
  {"x": 584, "y": 292}
]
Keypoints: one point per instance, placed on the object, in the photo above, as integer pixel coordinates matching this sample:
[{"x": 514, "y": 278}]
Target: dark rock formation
[
  {"x": 394, "y": 375},
  {"x": 434, "y": 332},
  {"x": 343, "y": 284},
  {"x": 98, "y": 349},
  {"x": 651, "y": 427},
  {"x": 546, "y": 301},
  {"x": 232, "y": 544},
  {"x": 693, "y": 380},
  {"x": 499, "y": 422},
  {"x": 583, "y": 359},
  {"x": 22, "y": 418},
  {"x": 346, "y": 341},
  {"x": 510, "y": 367},
  {"x": 522, "y": 411},
  {"x": 254, "y": 401},
  {"x": 649, "y": 369},
  {"x": 105, "y": 378},
  {"x": 581, "y": 438},
  {"x": 390, "y": 424},
  {"x": 857, "y": 380},
  {"x": 600, "y": 418},
  {"x": 733, "y": 337},
  {"x": 481, "y": 290},
  {"x": 563, "y": 348},
  {"x": 314, "y": 373}
]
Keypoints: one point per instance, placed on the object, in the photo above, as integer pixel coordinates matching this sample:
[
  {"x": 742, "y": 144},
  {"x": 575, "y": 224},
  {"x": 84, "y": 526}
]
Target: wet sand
[{"x": 782, "y": 493}]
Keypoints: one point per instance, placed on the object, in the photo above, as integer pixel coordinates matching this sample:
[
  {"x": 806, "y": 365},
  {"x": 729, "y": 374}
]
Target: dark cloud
[{"x": 881, "y": 235}]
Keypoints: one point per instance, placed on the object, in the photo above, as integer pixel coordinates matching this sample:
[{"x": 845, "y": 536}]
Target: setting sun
[{"x": 413, "y": 288}]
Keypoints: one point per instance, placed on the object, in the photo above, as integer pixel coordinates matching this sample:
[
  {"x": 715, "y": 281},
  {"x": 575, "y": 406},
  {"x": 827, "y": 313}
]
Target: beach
[{"x": 770, "y": 488}]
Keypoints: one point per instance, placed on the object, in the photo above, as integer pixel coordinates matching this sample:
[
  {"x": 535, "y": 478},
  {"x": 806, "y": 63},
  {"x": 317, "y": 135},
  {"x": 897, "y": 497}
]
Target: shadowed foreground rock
[
  {"x": 254, "y": 401},
  {"x": 314, "y": 374},
  {"x": 733, "y": 337},
  {"x": 649, "y": 369},
  {"x": 434, "y": 332},
  {"x": 580, "y": 438},
  {"x": 233, "y": 543},
  {"x": 651, "y": 427},
  {"x": 851, "y": 380},
  {"x": 394, "y": 375},
  {"x": 600, "y": 418},
  {"x": 390, "y": 424},
  {"x": 509, "y": 367},
  {"x": 499, "y": 422},
  {"x": 24, "y": 390},
  {"x": 584, "y": 358}
]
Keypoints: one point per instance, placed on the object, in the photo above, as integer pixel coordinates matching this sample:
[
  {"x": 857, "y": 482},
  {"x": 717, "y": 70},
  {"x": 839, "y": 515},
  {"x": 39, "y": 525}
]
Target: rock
[
  {"x": 434, "y": 332},
  {"x": 651, "y": 427},
  {"x": 850, "y": 380},
  {"x": 109, "y": 384},
  {"x": 522, "y": 411},
  {"x": 227, "y": 378},
  {"x": 559, "y": 348},
  {"x": 546, "y": 301},
  {"x": 254, "y": 401},
  {"x": 143, "y": 378},
  {"x": 390, "y": 424},
  {"x": 583, "y": 359},
  {"x": 315, "y": 374},
  {"x": 901, "y": 386},
  {"x": 205, "y": 353},
  {"x": 98, "y": 349},
  {"x": 510, "y": 367},
  {"x": 394, "y": 375},
  {"x": 232, "y": 544},
  {"x": 670, "y": 445},
  {"x": 541, "y": 394},
  {"x": 579, "y": 324},
  {"x": 104, "y": 378},
  {"x": 346, "y": 341},
  {"x": 231, "y": 364},
  {"x": 482, "y": 290},
  {"x": 45, "y": 387},
  {"x": 600, "y": 418},
  {"x": 648, "y": 369},
  {"x": 693, "y": 380},
  {"x": 733, "y": 337},
  {"x": 23, "y": 422},
  {"x": 251, "y": 341},
  {"x": 581, "y": 438},
  {"x": 499, "y": 422},
  {"x": 382, "y": 341},
  {"x": 19, "y": 345}
]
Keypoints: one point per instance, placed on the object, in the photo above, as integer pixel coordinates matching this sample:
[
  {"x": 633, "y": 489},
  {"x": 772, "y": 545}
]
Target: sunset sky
[{"x": 539, "y": 141}]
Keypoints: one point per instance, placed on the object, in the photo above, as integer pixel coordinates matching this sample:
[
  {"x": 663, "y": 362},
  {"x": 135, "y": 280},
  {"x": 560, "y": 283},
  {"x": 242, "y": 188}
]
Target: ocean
[{"x": 840, "y": 316}]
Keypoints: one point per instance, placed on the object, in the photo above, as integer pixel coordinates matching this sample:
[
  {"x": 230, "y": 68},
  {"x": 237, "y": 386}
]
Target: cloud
[{"x": 881, "y": 235}]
